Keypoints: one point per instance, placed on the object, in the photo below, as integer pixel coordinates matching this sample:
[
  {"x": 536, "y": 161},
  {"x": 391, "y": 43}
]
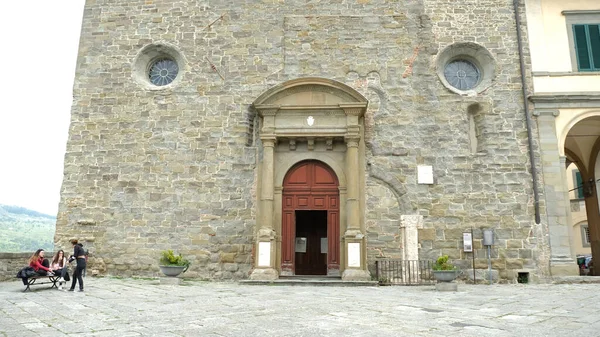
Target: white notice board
[
  {"x": 467, "y": 242},
  {"x": 425, "y": 175},
  {"x": 354, "y": 254},
  {"x": 264, "y": 254}
]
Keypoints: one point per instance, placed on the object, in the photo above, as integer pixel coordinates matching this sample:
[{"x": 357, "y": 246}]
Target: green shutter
[
  {"x": 581, "y": 47},
  {"x": 587, "y": 47},
  {"x": 578, "y": 182},
  {"x": 595, "y": 45}
]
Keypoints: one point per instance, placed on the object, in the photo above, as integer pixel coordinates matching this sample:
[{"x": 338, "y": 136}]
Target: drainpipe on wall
[{"x": 527, "y": 116}]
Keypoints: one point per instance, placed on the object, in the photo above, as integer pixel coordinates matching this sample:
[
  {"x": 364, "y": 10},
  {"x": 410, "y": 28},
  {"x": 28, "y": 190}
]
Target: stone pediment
[
  {"x": 311, "y": 91},
  {"x": 310, "y": 107}
]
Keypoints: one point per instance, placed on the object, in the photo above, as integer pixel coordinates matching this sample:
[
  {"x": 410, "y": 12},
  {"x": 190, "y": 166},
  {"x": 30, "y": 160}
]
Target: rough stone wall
[
  {"x": 492, "y": 188},
  {"x": 382, "y": 222},
  {"x": 11, "y": 263},
  {"x": 148, "y": 170}
]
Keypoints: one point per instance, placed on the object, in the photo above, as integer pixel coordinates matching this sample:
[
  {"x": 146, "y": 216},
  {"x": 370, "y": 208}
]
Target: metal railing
[{"x": 404, "y": 272}]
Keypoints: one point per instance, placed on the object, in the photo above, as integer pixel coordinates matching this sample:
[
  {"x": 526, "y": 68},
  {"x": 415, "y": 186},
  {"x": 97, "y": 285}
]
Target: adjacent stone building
[
  {"x": 565, "y": 53},
  {"x": 267, "y": 138}
]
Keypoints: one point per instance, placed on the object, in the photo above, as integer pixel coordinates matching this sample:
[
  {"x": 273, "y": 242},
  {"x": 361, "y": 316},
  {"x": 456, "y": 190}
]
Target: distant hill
[{"x": 24, "y": 230}]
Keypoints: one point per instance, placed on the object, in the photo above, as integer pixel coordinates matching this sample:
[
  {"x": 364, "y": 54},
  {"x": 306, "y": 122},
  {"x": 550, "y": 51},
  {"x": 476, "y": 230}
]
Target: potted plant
[
  {"x": 171, "y": 264},
  {"x": 444, "y": 271}
]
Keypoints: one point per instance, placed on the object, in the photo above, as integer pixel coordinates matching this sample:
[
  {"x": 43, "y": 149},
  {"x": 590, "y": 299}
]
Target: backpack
[{"x": 26, "y": 272}]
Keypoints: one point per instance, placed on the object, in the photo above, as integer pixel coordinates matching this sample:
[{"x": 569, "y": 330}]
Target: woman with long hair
[
  {"x": 39, "y": 263},
  {"x": 79, "y": 256},
  {"x": 59, "y": 267}
]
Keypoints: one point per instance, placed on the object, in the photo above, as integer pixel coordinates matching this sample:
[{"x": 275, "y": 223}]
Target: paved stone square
[{"x": 136, "y": 307}]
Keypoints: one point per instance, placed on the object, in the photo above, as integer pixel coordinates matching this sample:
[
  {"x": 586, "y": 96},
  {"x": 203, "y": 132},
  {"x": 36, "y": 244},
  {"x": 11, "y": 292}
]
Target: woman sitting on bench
[
  {"x": 59, "y": 267},
  {"x": 40, "y": 264}
]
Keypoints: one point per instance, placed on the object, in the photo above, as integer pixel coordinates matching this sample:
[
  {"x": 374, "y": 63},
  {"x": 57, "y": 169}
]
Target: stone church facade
[{"x": 269, "y": 138}]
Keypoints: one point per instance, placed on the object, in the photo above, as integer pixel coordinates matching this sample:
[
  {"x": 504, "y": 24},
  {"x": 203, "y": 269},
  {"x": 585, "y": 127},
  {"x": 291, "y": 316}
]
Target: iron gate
[{"x": 404, "y": 272}]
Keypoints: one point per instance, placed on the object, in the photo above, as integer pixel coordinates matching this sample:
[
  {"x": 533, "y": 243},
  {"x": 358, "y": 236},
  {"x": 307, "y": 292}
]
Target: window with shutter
[
  {"x": 587, "y": 46},
  {"x": 578, "y": 185},
  {"x": 585, "y": 234}
]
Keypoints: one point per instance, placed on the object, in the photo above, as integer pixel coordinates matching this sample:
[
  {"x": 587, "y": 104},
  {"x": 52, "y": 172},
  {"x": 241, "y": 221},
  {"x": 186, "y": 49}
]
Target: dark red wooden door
[{"x": 310, "y": 185}]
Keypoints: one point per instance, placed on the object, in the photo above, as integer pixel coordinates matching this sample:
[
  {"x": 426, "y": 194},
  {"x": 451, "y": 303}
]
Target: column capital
[
  {"x": 411, "y": 221},
  {"x": 563, "y": 159},
  {"x": 546, "y": 112},
  {"x": 352, "y": 140},
  {"x": 268, "y": 140}
]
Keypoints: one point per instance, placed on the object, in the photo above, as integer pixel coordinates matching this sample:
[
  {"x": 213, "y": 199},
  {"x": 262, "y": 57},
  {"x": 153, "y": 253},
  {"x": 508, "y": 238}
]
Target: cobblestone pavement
[{"x": 134, "y": 307}]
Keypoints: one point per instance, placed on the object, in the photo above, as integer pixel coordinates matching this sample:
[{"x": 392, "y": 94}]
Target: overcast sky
[{"x": 40, "y": 39}]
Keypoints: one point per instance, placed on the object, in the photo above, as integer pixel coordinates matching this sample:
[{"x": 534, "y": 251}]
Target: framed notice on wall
[
  {"x": 300, "y": 245},
  {"x": 467, "y": 242},
  {"x": 324, "y": 246},
  {"x": 353, "y": 254},
  {"x": 264, "y": 254}
]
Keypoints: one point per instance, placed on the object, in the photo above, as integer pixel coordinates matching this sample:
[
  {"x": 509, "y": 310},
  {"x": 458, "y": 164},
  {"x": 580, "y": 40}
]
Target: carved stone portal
[{"x": 320, "y": 120}]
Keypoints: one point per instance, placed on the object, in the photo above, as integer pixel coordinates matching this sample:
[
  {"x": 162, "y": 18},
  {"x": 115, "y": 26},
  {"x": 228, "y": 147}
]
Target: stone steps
[{"x": 311, "y": 281}]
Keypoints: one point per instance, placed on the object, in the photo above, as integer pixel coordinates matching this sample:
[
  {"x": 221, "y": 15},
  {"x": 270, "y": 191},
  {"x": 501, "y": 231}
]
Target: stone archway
[
  {"x": 320, "y": 119},
  {"x": 581, "y": 146}
]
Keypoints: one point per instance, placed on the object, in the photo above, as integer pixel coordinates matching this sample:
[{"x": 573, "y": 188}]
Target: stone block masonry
[
  {"x": 175, "y": 167},
  {"x": 11, "y": 263}
]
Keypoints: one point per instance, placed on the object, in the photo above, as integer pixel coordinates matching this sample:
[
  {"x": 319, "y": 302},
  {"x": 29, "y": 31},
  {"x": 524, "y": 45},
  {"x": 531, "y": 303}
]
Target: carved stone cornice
[
  {"x": 267, "y": 109},
  {"x": 566, "y": 100},
  {"x": 353, "y": 109}
]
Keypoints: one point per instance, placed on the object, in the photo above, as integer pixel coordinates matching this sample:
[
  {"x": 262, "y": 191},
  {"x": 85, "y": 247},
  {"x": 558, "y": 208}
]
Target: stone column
[
  {"x": 563, "y": 165},
  {"x": 265, "y": 250},
  {"x": 410, "y": 225},
  {"x": 409, "y": 229},
  {"x": 354, "y": 237},
  {"x": 557, "y": 201},
  {"x": 593, "y": 214}
]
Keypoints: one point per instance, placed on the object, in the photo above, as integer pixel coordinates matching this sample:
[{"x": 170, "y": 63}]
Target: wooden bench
[{"x": 46, "y": 279}]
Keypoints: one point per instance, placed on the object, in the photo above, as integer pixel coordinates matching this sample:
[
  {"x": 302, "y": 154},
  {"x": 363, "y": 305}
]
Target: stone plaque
[
  {"x": 264, "y": 254},
  {"x": 354, "y": 254}
]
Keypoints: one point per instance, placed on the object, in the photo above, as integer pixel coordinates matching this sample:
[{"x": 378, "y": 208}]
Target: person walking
[{"x": 79, "y": 256}]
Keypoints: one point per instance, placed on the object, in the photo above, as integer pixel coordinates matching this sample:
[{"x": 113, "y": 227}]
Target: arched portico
[
  {"x": 569, "y": 135},
  {"x": 319, "y": 119},
  {"x": 581, "y": 146}
]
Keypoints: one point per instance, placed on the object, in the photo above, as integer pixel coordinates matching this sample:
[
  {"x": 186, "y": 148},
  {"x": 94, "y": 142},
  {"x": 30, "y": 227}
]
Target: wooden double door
[{"x": 310, "y": 220}]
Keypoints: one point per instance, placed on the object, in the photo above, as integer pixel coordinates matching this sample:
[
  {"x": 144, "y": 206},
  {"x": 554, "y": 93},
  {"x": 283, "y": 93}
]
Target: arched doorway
[{"x": 310, "y": 220}]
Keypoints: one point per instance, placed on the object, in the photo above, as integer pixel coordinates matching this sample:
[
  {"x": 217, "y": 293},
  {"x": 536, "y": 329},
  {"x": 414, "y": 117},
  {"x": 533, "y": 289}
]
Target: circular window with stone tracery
[
  {"x": 462, "y": 74},
  {"x": 163, "y": 71},
  {"x": 466, "y": 68},
  {"x": 158, "y": 66}
]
